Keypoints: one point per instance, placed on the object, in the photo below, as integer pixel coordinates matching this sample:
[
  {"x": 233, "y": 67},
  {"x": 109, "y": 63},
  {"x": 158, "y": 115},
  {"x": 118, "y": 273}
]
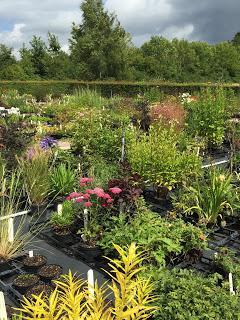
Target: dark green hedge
[{"x": 107, "y": 88}]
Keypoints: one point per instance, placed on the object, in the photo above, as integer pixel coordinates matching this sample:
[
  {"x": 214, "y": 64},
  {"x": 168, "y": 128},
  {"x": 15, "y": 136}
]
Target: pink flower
[
  {"x": 107, "y": 196},
  {"x": 99, "y": 192},
  {"x": 115, "y": 190},
  {"x": 90, "y": 191},
  {"x": 82, "y": 184},
  {"x": 73, "y": 195},
  {"x": 79, "y": 200},
  {"x": 85, "y": 180},
  {"x": 88, "y": 204},
  {"x": 86, "y": 196},
  {"x": 104, "y": 205},
  {"x": 109, "y": 200}
]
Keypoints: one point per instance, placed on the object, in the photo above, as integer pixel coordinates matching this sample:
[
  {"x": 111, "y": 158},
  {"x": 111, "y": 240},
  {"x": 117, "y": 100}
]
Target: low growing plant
[{"x": 163, "y": 240}]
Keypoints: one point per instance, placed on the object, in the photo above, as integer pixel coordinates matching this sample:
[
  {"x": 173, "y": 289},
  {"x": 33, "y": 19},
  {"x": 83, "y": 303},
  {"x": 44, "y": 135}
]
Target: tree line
[{"x": 100, "y": 48}]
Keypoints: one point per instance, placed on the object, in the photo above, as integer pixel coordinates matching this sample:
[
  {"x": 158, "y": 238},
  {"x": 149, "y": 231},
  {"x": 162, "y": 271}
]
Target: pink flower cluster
[{"x": 93, "y": 196}]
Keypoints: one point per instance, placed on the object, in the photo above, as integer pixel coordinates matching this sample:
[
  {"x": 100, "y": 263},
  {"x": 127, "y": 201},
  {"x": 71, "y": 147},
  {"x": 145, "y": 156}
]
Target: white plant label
[
  {"x": 90, "y": 277},
  {"x": 60, "y": 209},
  {"x": 30, "y": 254},
  {"x": 231, "y": 284},
  {"x": 3, "y": 311},
  {"x": 10, "y": 230}
]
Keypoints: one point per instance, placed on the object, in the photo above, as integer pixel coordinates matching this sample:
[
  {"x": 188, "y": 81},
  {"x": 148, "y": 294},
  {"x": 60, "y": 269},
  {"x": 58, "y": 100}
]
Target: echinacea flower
[
  {"x": 115, "y": 190},
  {"x": 87, "y": 204}
]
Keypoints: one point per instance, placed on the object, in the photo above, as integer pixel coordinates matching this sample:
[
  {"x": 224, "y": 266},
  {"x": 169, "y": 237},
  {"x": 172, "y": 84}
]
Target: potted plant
[
  {"x": 24, "y": 282},
  {"x": 34, "y": 263},
  {"x": 62, "y": 222},
  {"x": 35, "y": 169},
  {"x": 11, "y": 247},
  {"x": 93, "y": 205},
  {"x": 50, "y": 272},
  {"x": 43, "y": 289},
  {"x": 62, "y": 181}
]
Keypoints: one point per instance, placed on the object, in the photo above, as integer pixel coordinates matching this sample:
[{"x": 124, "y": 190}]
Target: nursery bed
[{"x": 54, "y": 256}]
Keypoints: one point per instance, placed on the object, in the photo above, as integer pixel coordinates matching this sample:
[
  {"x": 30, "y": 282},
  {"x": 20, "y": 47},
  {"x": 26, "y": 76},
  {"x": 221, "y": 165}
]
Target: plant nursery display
[{"x": 138, "y": 195}]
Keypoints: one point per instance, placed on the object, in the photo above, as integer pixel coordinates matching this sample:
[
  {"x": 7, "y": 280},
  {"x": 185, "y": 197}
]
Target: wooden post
[
  {"x": 90, "y": 277},
  {"x": 3, "y": 311}
]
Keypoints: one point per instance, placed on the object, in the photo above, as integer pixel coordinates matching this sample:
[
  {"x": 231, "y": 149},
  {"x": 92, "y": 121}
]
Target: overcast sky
[{"x": 207, "y": 20}]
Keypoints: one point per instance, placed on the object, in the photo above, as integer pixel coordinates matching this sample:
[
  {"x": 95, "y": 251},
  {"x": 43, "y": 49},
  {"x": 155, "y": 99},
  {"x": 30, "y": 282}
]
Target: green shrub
[
  {"x": 163, "y": 240},
  {"x": 207, "y": 116},
  {"x": 107, "y": 88},
  {"x": 186, "y": 295},
  {"x": 158, "y": 157}
]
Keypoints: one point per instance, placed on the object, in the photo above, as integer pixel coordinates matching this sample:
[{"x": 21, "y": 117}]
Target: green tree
[
  {"x": 236, "y": 39},
  {"x": 99, "y": 45},
  {"x": 56, "y": 61},
  {"x": 6, "y": 56},
  {"x": 38, "y": 52}
]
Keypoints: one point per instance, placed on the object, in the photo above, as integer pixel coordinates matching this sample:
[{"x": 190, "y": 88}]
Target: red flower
[
  {"x": 109, "y": 200},
  {"x": 86, "y": 196},
  {"x": 90, "y": 191},
  {"x": 88, "y": 204},
  {"x": 104, "y": 205},
  {"x": 79, "y": 200},
  {"x": 115, "y": 190}
]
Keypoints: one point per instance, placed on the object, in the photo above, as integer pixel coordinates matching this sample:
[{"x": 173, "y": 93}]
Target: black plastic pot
[
  {"x": 50, "y": 272},
  {"x": 4, "y": 266},
  {"x": 89, "y": 254},
  {"x": 35, "y": 263},
  {"x": 23, "y": 284},
  {"x": 43, "y": 289}
]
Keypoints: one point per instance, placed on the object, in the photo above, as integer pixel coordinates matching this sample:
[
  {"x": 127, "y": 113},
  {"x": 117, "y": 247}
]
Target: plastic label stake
[
  {"x": 60, "y": 209},
  {"x": 30, "y": 253},
  {"x": 10, "y": 230},
  {"x": 90, "y": 277},
  {"x": 231, "y": 283},
  {"x": 3, "y": 311}
]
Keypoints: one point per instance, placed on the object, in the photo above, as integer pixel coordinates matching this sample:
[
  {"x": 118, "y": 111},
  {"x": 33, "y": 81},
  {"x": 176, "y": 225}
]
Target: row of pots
[{"x": 39, "y": 276}]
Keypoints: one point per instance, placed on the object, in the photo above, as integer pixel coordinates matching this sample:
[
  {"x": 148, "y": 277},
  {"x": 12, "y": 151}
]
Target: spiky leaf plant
[
  {"x": 10, "y": 195},
  {"x": 72, "y": 299}
]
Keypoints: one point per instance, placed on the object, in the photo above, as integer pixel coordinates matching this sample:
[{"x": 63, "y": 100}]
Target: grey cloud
[{"x": 207, "y": 20}]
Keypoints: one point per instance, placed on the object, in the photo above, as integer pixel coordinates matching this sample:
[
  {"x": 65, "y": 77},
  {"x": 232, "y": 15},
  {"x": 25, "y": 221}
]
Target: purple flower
[{"x": 47, "y": 143}]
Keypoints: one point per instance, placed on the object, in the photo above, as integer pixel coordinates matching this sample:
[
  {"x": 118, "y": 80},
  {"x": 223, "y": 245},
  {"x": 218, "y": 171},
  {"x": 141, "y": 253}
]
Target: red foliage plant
[{"x": 168, "y": 112}]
